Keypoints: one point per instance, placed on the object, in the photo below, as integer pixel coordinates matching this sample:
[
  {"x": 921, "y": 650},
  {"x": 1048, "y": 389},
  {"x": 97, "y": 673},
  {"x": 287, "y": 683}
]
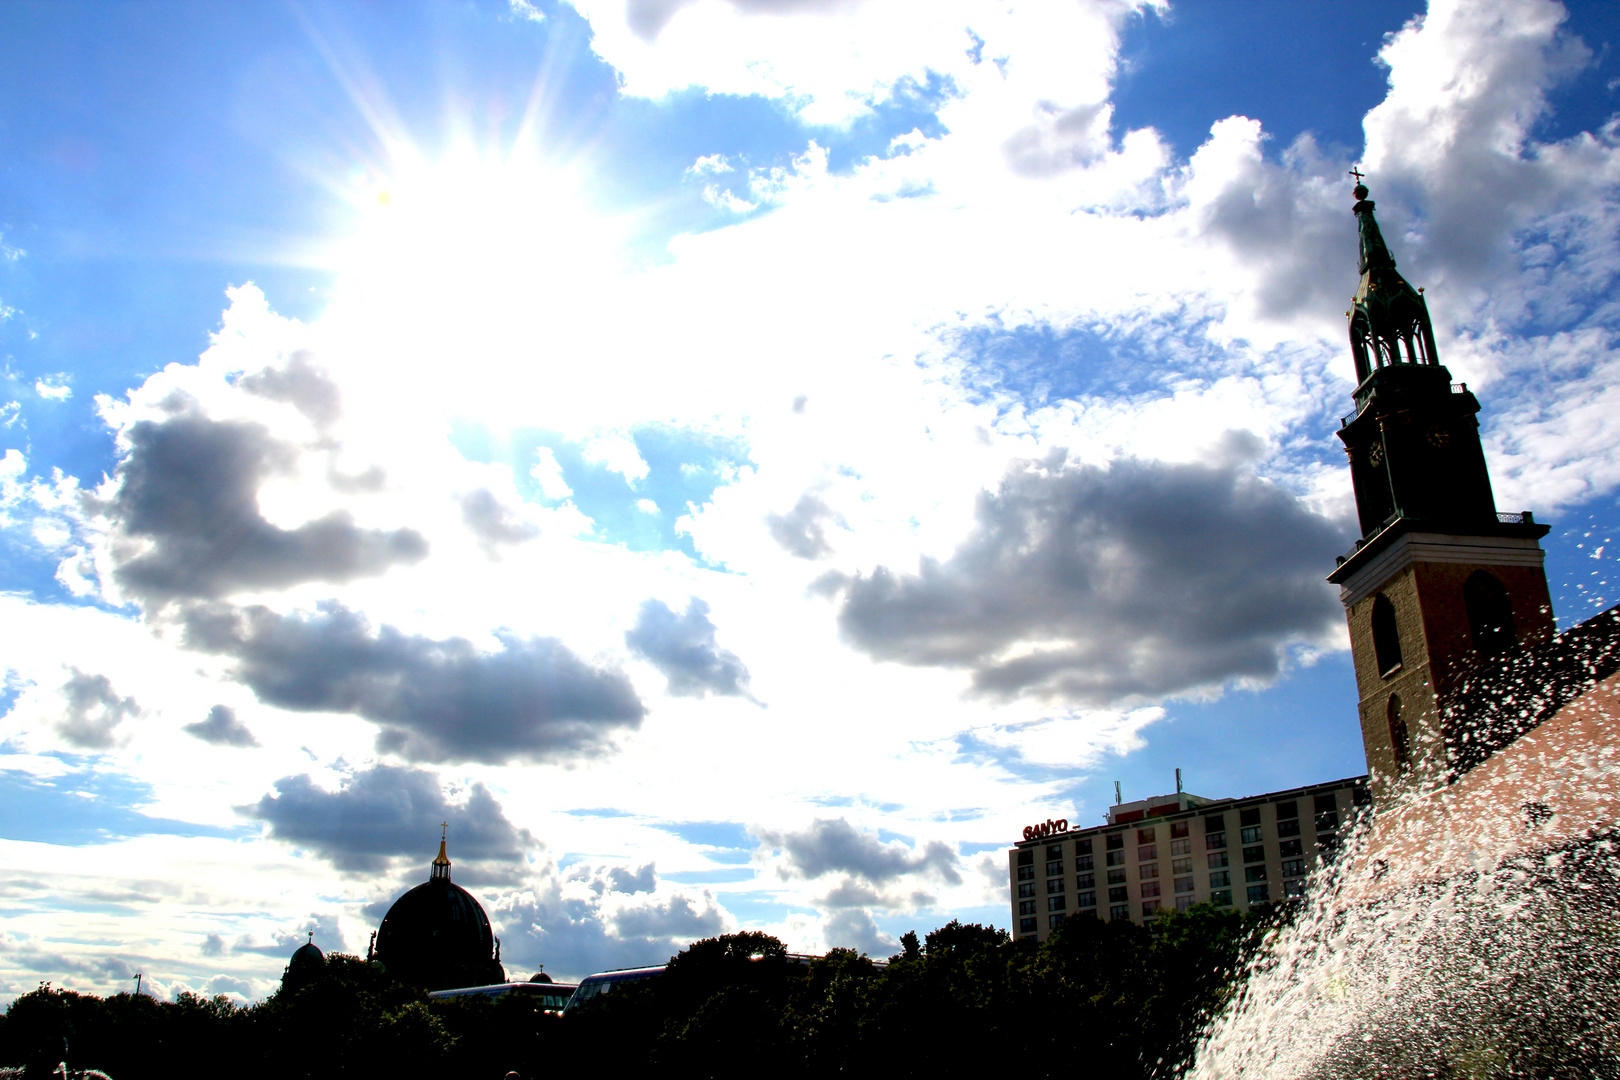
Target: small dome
[
  {"x": 304, "y": 967},
  {"x": 308, "y": 956}
]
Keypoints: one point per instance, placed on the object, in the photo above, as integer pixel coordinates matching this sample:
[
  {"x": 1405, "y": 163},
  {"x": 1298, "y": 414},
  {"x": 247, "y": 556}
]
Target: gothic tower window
[
  {"x": 1386, "y": 638},
  {"x": 1490, "y": 614},
  {"x": 1399, "y": 737}
]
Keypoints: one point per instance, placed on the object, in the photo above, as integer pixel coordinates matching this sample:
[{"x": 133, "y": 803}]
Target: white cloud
[
  {"x": 548, "y": 474},
  {"x": 618, "y": 453},
  {"x": 53, "y": 388}
]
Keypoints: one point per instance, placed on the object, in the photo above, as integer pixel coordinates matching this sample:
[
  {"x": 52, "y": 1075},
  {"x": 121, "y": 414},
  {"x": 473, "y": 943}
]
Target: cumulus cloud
[
  {"x": 324, "y": 926},
  {"x": 1093, "y": 585},
  {"x": 683, "y": 647},
  {"x": 386, "y": 812},
  {"x": 436, "y": 700},
  {"x": 676, "y": 918},
  {"x": 602, "y": 880},
  {"x": 624, "y": 880},
  {"x": 222, "y": 728},
  {"x": 189, "y": 524},
  {"x": 833, "y": 845},
  {"x": 302, "y": 385},
  {"x": 93, "y": 711},
  {"x": 575, "y": 931},
  {"x": 802, "y": 531},
  {"x": 853, "y": 928},
  {"x": 492, "y": 521}
]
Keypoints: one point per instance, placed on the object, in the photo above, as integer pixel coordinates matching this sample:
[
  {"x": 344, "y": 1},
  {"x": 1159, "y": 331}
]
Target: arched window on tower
[
  {"x": 1490, "y": 614},
  {"x": 1386, "y": 638},
  {"x": 1399, "y": 737}
]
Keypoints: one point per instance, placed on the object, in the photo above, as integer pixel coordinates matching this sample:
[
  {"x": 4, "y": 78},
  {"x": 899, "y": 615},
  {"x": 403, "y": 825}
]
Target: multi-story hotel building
[{"x": 1174, "y": 851}]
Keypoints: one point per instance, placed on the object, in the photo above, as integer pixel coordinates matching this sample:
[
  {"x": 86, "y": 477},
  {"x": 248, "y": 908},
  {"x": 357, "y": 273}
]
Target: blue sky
[{"x": 737, "y": 462}]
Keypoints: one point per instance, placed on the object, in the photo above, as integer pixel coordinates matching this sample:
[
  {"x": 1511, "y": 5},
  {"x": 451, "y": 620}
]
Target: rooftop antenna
[
  {"x": 1178, "y": 781},
  {"x": 1117, "y": 798}
]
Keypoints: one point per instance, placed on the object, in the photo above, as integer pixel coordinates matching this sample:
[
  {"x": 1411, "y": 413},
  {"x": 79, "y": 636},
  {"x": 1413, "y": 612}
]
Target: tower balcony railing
[
  {"x": 1361, "y": 404},
  {"x": 1524, "y": 517}
]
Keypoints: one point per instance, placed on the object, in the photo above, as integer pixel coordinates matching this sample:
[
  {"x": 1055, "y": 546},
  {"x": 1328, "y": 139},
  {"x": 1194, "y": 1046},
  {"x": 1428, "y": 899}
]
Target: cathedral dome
[{"x": 438, "y": 936}]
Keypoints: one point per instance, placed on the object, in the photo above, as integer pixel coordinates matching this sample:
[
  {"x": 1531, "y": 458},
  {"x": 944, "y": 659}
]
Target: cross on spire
[
  {"x": 1358, "y": 174},
  {"x": 444, "y": 830}
]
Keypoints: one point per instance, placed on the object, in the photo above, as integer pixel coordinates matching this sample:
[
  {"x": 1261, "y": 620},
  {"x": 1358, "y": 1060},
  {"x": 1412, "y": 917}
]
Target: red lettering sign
[{"x": 1046, "y": 828}]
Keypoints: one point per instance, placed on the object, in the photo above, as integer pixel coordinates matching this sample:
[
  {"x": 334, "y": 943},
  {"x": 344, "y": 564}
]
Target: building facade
[{"x": 1171, "y": 852}]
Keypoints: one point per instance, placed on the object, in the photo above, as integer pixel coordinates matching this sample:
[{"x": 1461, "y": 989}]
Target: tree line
[{"x": 1124, "y": 1000}]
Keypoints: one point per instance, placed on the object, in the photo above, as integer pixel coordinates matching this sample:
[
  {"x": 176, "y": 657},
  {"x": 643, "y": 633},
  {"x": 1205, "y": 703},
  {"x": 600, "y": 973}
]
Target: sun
[{"x": 480, "y": 258}]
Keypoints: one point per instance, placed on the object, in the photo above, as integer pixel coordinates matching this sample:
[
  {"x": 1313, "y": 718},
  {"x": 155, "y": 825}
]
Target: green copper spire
[{"x": 1389, "y": 322}]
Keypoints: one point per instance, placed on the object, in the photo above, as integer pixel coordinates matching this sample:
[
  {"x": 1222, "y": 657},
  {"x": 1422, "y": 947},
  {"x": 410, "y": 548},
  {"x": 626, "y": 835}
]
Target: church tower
[{"x": 1439, "y": 582}]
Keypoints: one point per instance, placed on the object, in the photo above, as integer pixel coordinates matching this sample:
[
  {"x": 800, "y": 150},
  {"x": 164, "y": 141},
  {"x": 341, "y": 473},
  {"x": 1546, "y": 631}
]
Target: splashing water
[{"x": 1469, "y": 931}]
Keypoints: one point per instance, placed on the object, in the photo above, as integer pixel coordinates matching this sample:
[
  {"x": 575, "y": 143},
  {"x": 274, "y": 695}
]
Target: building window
[
  {"x": 1251, "y": 816},
  {"x": 1026, "y": 857},
  {"x": 1114, "y": 841},
  {"x": 1053, "y": 868},
  {"x": 1288, "y": 828},
  {"x": 1054, "y": 885},
  {"x": 1116, "y": 877},
  {"x": 1145, "y": 836},
  {"x": 1400, "y": 740},
  {"x": 1147, "y": 853},
  {"x": 1179, "y": 829},
  {"x": 1386, "y": 636},
  {"x": 1026, "y": 907},
  {"x": 1254, "y": 873},
  {"x": 1056, "y": 903},
  {"x": 1026, "y": 926},
  {"x": 1026, "y": 888},
  {"x": 1184, "y": 884},
  {"x": 1220, "y": 879},
  {"x": 1148, "y": 870},
  {"x": 1253, "y": 834},
  {"x": 1180, "y": 847},
  {"x": 1221, "y": 897},
  {"x": 1083, "y": 847},
  {"x": 1116, "y": 896},
  {"x": 1026, "y": 873},
  {"x": 1183, "y": 903},
  {"x": 1085, "y": 881},
  {"x": 1326, "y": 845},
  {"x": 1289, "y": 849},
  {"x": 1327, "y": 813},
  {"x": 1150, "y": 908},
  {"x": 1085, "y": 899},
  {"x": 1294, "y": 888},
  {"x": 1217, "y": 859},
  {"x": 1181, "y": 866},
  {"x": 1150, "y": 888},
  {"x": 1490, "y": 614},
  {"x": 1254, "y": 854},
  {"x": 1289, "y": 809},
  {"x": 1215, "y": 823},
  {"x": 1053, "y": 920},
  {"x": 1054, "y": 851},
  {"x": 1215, "y": 840},
  {"x": 1259, "y": 894},
  {"x": 1116, "y": 858},
  {"x": 1082, "y": 862},
  {"x": 1293, "y": 868},
  {"x": 1119, "y": 911}
]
